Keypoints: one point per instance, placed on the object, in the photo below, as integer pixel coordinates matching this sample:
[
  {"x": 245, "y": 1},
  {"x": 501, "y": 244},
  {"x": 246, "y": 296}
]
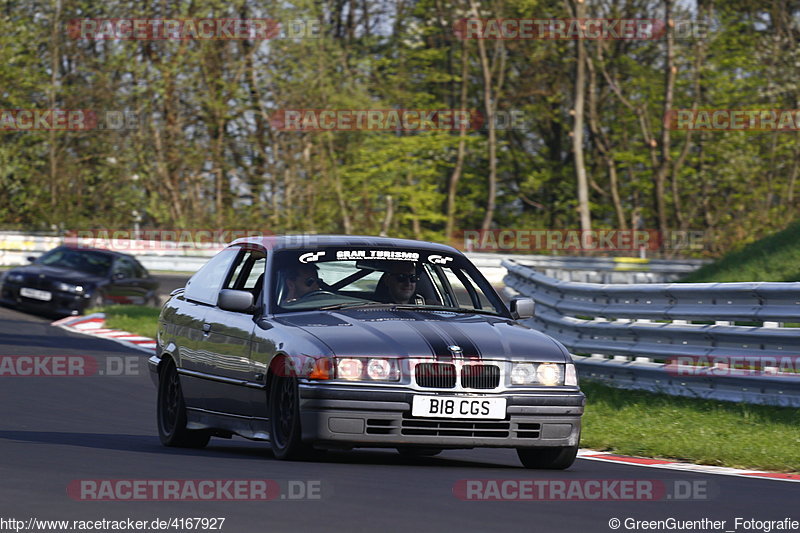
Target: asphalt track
[{"x": 55, "y": 430}]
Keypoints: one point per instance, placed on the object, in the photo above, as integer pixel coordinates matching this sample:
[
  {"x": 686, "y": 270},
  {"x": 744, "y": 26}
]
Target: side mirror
[
  {"x": 118, "y": 275},
  {"x": 30, "y": 259},
  {"x": 236, "y": 301},
  {"x": 521, "y": 307}
]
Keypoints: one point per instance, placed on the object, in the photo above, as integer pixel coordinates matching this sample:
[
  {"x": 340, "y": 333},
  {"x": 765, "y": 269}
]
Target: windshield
[
  {"x": 94, "y": 263},
  {"x": 334, "y": 278}
]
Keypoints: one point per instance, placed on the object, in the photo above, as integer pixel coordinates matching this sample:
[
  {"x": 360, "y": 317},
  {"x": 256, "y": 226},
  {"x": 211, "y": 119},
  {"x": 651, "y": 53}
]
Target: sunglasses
[
  {"x": 311, "y": 281},
  {"x": 402, "y": 278}
]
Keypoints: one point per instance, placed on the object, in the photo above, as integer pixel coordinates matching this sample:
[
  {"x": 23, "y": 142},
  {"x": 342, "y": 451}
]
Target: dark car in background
[
  {"x": 67, "y": 280},
  {"x": 339, "y": 341}
]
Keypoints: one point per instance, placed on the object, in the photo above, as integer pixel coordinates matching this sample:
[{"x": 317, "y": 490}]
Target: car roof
[
  {"x": 299, "y": 242},
  {"x": 98, "y": 250}
]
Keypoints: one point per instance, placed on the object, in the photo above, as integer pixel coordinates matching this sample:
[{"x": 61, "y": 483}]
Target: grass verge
[
  {"x": 692, "y": 430},
  {"x": 773, "y": 258},
  {"x": 136, "y": 319}
]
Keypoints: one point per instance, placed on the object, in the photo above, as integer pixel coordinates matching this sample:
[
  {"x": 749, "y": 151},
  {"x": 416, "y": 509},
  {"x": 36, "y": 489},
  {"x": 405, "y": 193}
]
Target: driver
[{"x": 301, "y": 280}]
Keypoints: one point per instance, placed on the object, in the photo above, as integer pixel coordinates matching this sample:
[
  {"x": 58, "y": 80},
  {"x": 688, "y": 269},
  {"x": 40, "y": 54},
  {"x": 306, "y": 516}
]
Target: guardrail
[
  {"x": 649, "y": 333},
  {"x": 186, "y": 257}
]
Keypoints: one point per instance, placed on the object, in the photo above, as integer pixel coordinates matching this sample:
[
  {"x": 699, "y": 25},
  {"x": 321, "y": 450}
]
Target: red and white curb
[
  {"x": 686, "y": 467},
  {"x": 94, "y": 325}
]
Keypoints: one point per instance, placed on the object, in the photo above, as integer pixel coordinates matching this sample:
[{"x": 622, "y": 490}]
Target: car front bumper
[
  {"x": 356, "y": 416},
  {"x": 62, "y": 303}
]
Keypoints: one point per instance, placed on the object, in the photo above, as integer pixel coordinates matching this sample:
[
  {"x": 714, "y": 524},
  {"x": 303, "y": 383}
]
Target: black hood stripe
[
  {"x": 440, "y": 335},
  {"x": 468, "y": 348},
  {"x": 437, "y": 342}
]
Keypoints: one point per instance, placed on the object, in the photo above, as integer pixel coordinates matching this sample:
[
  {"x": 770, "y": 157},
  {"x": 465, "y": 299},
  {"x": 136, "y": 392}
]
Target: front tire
[
  {"x": 95, "y": 301},
  {"x": 548, "y": 458},
  {"x": 284, "y": 417},
  {"x": 172, "y": 412}
]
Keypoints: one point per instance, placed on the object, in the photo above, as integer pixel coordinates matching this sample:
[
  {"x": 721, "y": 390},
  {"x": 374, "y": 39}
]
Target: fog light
[
  {"x": 548, "y": 374},
  {"x": 349, "y": 368}
]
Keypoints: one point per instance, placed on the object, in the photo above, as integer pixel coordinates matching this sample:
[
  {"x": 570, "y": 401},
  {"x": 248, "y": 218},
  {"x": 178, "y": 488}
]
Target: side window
[
  {"x": 248, "y": 271},
  {"x": 123, "y": 268},
  {"x": 460, "y": 289},
  {"x": 205, "y": 285},
  {"x": 475, "y": 292},
  {"x": 255, "y": 273},
  {"x": 140, "y": 271}
]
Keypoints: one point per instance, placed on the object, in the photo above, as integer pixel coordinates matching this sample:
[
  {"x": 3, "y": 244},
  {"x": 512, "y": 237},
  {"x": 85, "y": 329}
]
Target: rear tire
[
  {"x": 548, "y": 458},
  {"x": 171, "y": 412},
  {"x": 284, "y": 416}
]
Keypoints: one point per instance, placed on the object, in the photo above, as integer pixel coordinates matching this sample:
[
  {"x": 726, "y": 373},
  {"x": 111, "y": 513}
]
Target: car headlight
[
  {"x": 349, "y": 368},
  {"x": 367, "y": 369},
  {"x": 15, "y": 278},
  {"x": 379, "y": 369},
  {"x": 69, "y": 287},
  {"x": 547, "y": 374},
  {"x": 523, "y": 374}
]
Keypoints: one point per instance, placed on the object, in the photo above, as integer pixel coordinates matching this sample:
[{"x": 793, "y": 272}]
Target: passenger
[{"x": 400, "y": 280}]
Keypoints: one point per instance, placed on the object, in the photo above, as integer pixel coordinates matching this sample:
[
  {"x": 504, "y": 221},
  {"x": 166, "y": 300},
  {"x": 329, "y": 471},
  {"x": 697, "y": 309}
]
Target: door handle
[{"x": 206, "y": 329}]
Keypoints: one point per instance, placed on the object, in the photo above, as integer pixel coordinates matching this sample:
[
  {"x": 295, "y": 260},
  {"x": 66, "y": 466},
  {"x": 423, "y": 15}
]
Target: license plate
[
  {"x": 36, "y": 294},
  {"x": 458, "y": 407}
]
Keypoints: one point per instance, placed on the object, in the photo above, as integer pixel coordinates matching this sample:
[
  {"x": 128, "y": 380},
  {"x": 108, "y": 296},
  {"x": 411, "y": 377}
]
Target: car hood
[
  {"x": 407, "y": 333},
  {"x": 57, "y": 273}
]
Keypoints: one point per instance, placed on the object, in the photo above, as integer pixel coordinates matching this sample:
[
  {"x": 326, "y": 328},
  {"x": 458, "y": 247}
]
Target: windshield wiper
[
  {"x": 445, "y": 308},
  {"x": 410, "y": 307},
  {"x": 353, "y": 305}
]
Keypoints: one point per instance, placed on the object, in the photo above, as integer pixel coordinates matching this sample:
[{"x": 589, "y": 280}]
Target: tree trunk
[
  {"x": 452, "y": 186},
  {"x": 489, "y": 106},
  {"x": 577, "y": 130},
  {"x": 330, "y": 169},
  {"x": 55, "y": 62},
  {"x": 663, "y": 168}
]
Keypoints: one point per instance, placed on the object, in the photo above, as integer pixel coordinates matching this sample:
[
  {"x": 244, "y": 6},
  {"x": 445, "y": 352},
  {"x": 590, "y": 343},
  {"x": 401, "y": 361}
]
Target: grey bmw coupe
[{"x": 335, "y": 342}]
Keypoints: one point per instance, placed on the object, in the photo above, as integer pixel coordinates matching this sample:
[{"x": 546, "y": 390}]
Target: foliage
[{"x": 202, "y": 151}]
